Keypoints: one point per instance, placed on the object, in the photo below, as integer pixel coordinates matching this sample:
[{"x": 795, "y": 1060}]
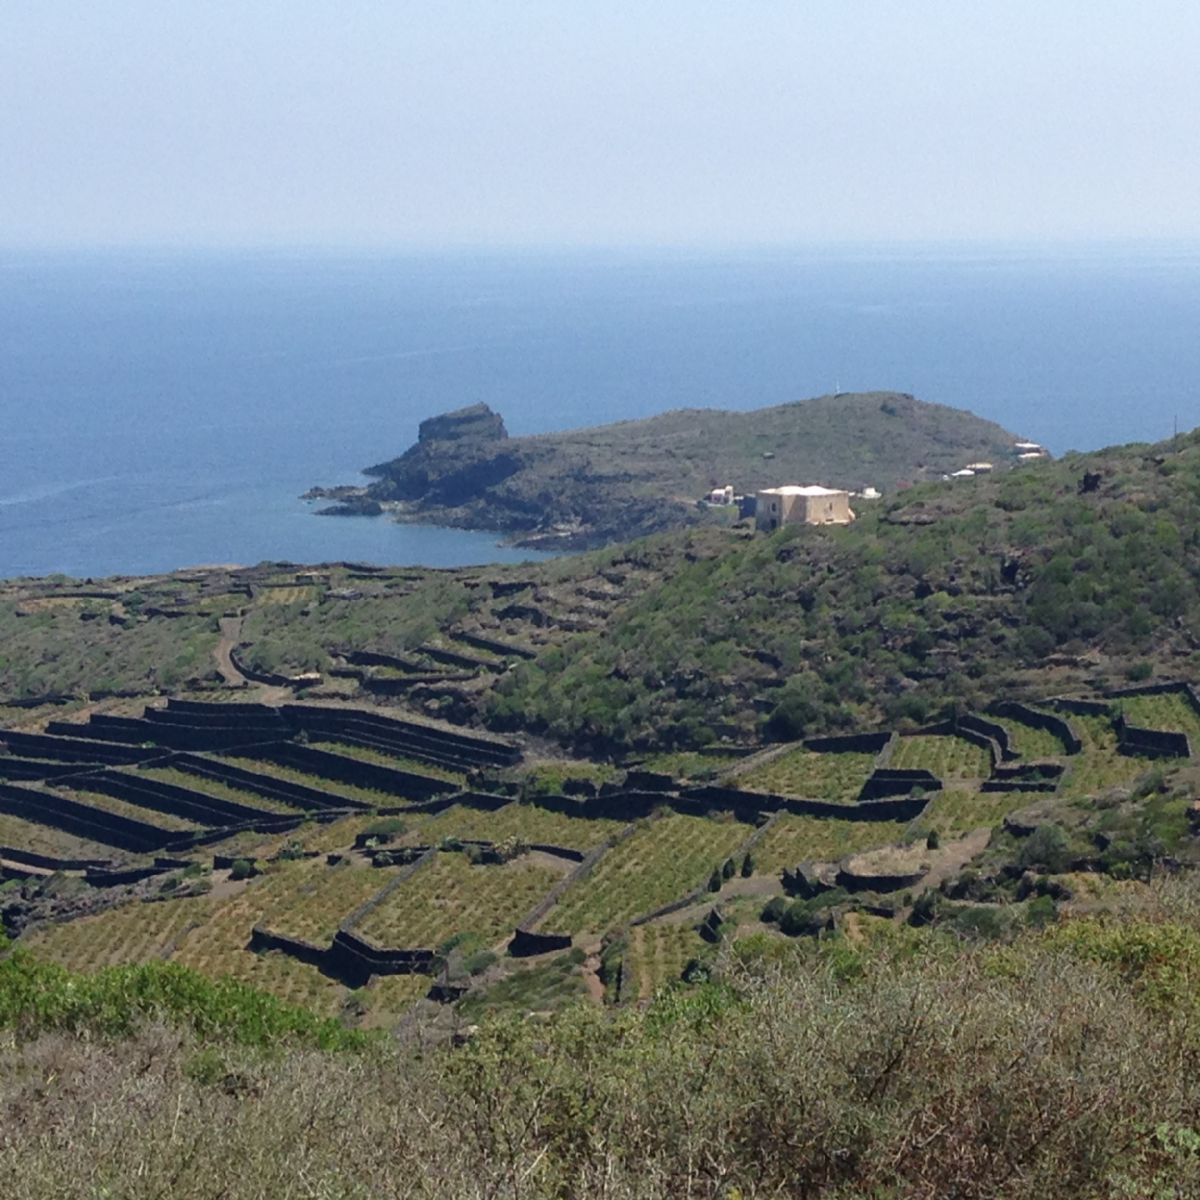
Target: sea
[{"x": 166, "y": 409}]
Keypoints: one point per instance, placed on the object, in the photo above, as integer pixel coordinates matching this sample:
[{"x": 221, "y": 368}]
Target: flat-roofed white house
[{"x": 808, "y": 505}]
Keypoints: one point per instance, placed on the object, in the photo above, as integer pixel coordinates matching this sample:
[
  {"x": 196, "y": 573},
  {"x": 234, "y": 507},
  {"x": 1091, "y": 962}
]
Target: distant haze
[{"x": 536, "y": 122}]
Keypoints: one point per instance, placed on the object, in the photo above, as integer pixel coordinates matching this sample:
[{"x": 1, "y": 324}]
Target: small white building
[
  {"x": 980, "y": 468},
  {"x": 722, "y": 495},
  {"x": 965, "y": 473}
]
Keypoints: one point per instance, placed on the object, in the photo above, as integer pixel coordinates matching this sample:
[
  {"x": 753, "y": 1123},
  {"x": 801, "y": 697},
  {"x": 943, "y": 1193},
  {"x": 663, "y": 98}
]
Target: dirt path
[
  {"x": 231, "y": 630},
  {"x": 953, "y": 856},
  {"x": 590, "y": 971}
]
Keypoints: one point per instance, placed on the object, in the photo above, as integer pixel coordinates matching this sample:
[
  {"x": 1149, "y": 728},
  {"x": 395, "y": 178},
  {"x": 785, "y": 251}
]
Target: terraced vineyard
[
  {"x": 663, "y": 860},
  {"x": 450, "y": 895},
  {"x": 806, "y": 773},
  {"x": 947, "y": 756},
  {"x": 952, "y": 813},
  {"x": 1029, "y": 741},
  {"x": 1170, "y": 710},
  {"x": 132, "y": 933},
  {"x": 215, "y": 788},
  {"x": 794, "y": 839},
  {"x": 218, "y": 947},
  {"x": 526, "y": 822},
  {"x": 333, "y": 788},
  {"x": 300, "y": 594},
  {"x": 1099, "y": 766},
  {"x": 45, "y": 839},
  {"x": 398, "y": 762},
  {"x": 389, "y": 997},
  {"x": 659, "y": 952},
  {"x": 309, "y": 900},
  {"x": 137, "y": 812}
]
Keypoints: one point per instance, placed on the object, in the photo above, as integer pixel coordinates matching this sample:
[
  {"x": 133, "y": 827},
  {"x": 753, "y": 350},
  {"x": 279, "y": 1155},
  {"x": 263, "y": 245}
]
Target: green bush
[
  {"x": 1047, "y": 848},
  {"x": 37, "y": 997},
  {"x": 242, "y": 868},
  {"x": 384, "y": 828}
]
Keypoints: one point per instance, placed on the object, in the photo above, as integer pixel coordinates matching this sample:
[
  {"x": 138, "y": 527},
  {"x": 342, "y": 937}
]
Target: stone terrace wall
[
  {"x": 94, "y": 824},
  {"x": 72, "y": 749},
  {"x": 177, "y": 801},
  {"x": 351, "y": 770},
  {"x": 1039, "y": 719},
  {"x": 297, "y": 794},
  {"x": 1136, "y": 741}
]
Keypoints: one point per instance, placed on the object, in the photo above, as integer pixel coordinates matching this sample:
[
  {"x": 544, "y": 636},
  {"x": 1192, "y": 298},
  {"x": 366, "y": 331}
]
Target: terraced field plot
[
  {"x": 299, "y": 594},
  {"x": 662, "y": 861},
  {"x": 310, "y": 900},
  {"x": 947, "y": 756},
  {"x": 327, "y": 836},
  {"x": 333, "y": 788},
  {"x": 1168, "y": 711},
  {"x": 218, "y": 947},
  {"x": 1029, "y": 741},
  {"x": 397, "y": 762},
  {"x": 42, "y": 839},
  {"x": 658, "y": 954},
  {"x": 451, "y": 896},
  {"x": 795, "y": 839},
  {"x": 542, "y": 988},
  {"x": 526, "y": 822},
  {"x": 138, "y": 812},
  {"x": 685, "y": 764},
  {"x": 952, "y": 813},
  {"x": 132, "y": 933},
  {"x": 214, "y": 788},
  {"x": 389, "y": 997},
  {"x": 1099, "y": 766},
  {"x": 805, "y": 773}
]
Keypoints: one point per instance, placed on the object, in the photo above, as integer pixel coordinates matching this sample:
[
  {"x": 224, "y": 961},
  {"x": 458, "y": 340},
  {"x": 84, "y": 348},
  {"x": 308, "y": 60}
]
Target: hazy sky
[{"x": 573, "y": 121}]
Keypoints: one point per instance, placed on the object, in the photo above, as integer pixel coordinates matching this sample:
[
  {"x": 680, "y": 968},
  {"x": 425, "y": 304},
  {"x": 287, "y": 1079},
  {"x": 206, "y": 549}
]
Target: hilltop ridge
[{"x": 589, "y": 487}]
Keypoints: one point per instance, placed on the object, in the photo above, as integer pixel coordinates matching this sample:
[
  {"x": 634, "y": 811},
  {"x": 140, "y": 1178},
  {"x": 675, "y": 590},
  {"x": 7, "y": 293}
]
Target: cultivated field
[
  {"x": 1099, "y": 767},
  {"x": 805, "y": 773},
  {"x": 663, "y": 860},
  {"x": 525, "y": 822},
  {"x": 948, "y": 757},
  {"x": 1030, "y": 742},
  {"x": 1169, "y": 711},
  {"x": 795, "y": 839},
  {"x": 451, "y": 896},
  {"x": 658, "y": 953}
]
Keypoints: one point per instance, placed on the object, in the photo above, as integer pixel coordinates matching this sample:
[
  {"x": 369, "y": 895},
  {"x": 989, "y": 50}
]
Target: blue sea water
[{"x": 159, "y": 410}]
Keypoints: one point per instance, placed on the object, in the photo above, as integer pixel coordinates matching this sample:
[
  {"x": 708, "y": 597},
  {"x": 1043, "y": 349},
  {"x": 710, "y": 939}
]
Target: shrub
[
  {"x": 773, "y": 909},
  {"x": 384, "y": 828},
  {"x": 1047, "y": 848},
  {"x": 242, "y": 868},
  {"x": 715, "y": 880},
  {"x": 932, "y": 840},
  {"x": 747, "y": 866},
  {"x": 728, "y": 870},
  {"x": 477, "y": 963}
]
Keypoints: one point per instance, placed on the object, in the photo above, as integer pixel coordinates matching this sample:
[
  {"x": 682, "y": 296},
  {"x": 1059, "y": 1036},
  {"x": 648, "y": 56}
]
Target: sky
[{"x": 580, "y": 122}]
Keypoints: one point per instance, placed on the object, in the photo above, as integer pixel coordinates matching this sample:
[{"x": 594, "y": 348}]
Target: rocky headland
[{"x": 589, "y": 487}]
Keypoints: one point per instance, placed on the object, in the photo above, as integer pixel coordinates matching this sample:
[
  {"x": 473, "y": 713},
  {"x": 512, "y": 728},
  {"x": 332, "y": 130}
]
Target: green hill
[{"x": 614, "y": 482}]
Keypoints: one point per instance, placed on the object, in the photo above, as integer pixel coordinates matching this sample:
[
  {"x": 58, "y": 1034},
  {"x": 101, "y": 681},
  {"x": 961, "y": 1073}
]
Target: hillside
[
  {"x": 614, "y": 482},
  {"x": 926, "y": 781}
]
